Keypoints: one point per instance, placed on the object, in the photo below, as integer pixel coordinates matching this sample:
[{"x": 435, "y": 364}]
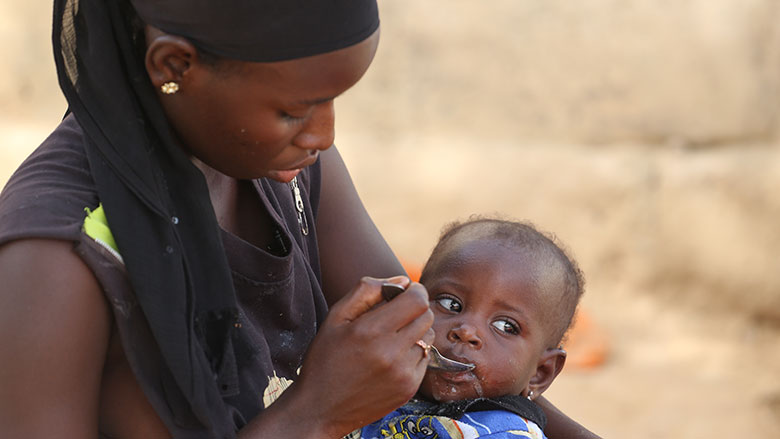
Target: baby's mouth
[{"x": 459, "y": 377}]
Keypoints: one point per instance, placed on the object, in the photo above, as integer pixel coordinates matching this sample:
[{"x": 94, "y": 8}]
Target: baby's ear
[{"x": 549, "y": 366}]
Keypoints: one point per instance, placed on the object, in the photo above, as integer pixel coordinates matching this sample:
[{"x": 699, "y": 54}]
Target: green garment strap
[{"x": 96, "y": 227}]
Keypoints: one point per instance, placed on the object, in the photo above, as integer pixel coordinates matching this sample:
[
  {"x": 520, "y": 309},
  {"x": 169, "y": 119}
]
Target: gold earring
[{"x": 169, "y": 87}]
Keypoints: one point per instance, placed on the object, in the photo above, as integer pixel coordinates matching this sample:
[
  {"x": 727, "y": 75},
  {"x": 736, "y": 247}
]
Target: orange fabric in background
[
  {"x": 586, "y": 344},
  {"x": 412, "y": 270}
]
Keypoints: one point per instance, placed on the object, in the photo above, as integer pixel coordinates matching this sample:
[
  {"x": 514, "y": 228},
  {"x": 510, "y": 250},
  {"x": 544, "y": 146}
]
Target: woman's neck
[{"x": 238, "y": 207}]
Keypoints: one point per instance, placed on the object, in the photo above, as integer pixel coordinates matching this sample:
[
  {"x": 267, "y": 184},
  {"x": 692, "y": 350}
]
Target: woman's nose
[
  {"x": 465, "y": 333},
  {"x": 318, "y": 132}
]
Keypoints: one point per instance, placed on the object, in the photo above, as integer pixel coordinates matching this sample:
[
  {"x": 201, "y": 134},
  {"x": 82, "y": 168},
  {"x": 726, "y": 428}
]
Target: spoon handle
[{"x": 390, "y": 291}]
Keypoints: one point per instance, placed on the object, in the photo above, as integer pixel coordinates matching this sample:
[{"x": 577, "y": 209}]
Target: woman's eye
[
  {"x": 506, "y": 326},
  {"x": 449, "y": 304},
  {"x": 292, "y": 118}
]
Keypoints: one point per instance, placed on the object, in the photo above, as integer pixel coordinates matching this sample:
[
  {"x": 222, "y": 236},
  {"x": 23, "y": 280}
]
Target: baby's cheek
[
  {"x": 487, "y": 387},
  {"x": 510, "y": 380}
]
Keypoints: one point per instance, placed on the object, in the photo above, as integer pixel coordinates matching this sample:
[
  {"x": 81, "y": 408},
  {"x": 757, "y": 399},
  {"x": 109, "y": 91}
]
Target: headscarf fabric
[
  {"x": 156, "y": 201},
  {"x": 264, "y": 30}
]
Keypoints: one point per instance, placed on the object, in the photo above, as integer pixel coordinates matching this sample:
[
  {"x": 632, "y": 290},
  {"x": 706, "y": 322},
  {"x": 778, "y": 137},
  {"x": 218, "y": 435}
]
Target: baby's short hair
[{"x": 544, "y": 247}]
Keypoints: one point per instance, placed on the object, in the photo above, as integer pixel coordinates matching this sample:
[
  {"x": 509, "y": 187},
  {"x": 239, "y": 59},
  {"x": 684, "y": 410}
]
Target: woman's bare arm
[
  {"x": 350, "y": 244},
  {"x": 560, "y": 426},
  {"x": 54, "y": 332}
]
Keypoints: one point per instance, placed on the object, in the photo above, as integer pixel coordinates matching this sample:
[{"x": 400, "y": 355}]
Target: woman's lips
[
  {"x": 286, "y": 175},
  {"x": 308, "y": 161}
]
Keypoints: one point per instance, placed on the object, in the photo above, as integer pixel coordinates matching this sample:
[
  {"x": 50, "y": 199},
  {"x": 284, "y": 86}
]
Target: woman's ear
[
  {"x": 168, "y": 58},
  {"x": 550, "y": 365}
]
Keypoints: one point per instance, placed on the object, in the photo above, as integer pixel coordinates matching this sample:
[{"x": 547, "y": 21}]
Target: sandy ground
[{"x": 674, "y": 366}]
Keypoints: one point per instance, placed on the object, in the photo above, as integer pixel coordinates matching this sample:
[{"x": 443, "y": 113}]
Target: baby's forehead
[
  {"x": 536, "y": 269},
  {"x": 470, "y": 245},
  {"x": 468, "y": 257}
]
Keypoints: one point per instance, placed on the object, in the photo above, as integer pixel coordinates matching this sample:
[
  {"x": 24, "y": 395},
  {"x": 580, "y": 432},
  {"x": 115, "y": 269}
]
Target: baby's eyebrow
[
  {"x": 510, "y": 307},
  {"x": 448, "y": 283}
]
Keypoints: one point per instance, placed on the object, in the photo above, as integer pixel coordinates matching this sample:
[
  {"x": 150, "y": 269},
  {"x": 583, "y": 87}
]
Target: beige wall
[
  {"x": 641, "y": 131},
  {"x": 653, "y": 71},
  {"x": 644, "y": 134}
]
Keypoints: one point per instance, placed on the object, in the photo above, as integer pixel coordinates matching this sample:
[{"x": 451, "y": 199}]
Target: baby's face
[{"x": 489, "y": 312}]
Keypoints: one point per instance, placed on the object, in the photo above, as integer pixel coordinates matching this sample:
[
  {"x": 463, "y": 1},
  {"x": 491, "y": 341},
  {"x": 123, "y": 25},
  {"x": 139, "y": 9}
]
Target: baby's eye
[
  {"x": 506, "y": 326},
  {"x": 449, "y": 303}
]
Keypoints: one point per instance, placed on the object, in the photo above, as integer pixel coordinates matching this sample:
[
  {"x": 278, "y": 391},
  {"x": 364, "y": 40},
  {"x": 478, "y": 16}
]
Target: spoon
[{"x": 438, "y": 361}]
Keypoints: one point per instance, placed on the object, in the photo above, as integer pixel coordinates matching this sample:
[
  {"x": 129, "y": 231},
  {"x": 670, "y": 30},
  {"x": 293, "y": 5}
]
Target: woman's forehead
[{"x": 314, "y": 79}]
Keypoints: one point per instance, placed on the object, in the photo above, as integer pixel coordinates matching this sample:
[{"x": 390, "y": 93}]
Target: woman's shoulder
[
  {"x": 65, "y": 144},
  {"x": 47, "y": 195},
  {"x": 54, "y": 329}
]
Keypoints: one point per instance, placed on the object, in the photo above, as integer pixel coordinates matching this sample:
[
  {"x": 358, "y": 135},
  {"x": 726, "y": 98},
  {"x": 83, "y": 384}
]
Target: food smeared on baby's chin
[{"x": 454, "y": 386}]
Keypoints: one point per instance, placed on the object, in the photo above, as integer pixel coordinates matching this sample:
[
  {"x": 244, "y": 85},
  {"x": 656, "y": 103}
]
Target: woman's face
[{"x": 252, "y": 120}]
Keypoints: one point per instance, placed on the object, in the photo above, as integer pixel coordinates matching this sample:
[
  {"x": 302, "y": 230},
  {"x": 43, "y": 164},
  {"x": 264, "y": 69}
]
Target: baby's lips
[
  {"x": 453, "y": 356},
  {"x": 458, "y": 377}
]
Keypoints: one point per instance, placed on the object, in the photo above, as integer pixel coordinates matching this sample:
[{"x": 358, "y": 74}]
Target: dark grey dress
[{"x": 280, "y": 296}]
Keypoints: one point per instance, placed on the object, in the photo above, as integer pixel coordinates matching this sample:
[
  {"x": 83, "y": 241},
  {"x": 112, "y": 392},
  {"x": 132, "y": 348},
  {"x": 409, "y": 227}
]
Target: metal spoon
[{"x": 438, "y": 361}]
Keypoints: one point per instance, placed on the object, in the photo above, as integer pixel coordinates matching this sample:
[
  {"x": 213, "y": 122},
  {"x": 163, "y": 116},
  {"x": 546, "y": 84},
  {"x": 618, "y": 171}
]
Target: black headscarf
[
  {"x": 264, "y": 30},
  {"x": 156, "y": 201}
]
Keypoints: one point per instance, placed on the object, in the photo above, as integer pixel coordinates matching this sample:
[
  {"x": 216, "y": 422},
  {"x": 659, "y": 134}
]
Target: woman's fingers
[
  {"x": 418, "y": 329},
  {"x": 420, "y": 356},
  {"x": 364, "y": 361},
  {"x": 404, "y": 309},
  {"x": 366, "y": 295},
  {"x": 365, "y": 307},
  {"x": 387, "y": 331}
]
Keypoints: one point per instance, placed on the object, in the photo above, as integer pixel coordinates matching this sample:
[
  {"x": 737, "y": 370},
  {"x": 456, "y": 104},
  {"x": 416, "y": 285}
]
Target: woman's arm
[
  {"x": 55, "y": 328},
  {"x": 350, "y": 244},
  {"x": 54, "y": 332},
  {"x": 560, "y": 426}
]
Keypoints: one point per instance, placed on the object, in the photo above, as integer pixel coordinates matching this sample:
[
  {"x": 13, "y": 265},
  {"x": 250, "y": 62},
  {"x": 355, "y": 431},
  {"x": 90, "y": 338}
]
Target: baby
[{"x": 503, "y": 295}]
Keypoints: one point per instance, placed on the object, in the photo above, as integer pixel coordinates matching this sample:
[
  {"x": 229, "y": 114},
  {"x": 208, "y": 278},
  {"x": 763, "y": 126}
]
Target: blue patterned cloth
[{"x": 411, "y": 422}]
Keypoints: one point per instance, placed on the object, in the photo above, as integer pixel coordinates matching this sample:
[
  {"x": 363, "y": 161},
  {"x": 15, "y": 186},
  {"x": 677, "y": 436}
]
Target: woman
[{"x": 169, "y": 253}]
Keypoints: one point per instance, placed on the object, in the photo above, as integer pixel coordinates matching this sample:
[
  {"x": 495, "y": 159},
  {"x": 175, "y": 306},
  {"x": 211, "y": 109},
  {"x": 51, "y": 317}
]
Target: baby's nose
[{"x": 465, "y": 333}]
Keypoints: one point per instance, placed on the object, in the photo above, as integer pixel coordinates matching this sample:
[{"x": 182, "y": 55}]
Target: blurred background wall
[{"x": 643, "y": 133}]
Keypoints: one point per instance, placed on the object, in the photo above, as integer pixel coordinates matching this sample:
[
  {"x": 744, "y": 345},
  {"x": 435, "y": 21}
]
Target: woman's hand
[{"x": 364, "y": 362}]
